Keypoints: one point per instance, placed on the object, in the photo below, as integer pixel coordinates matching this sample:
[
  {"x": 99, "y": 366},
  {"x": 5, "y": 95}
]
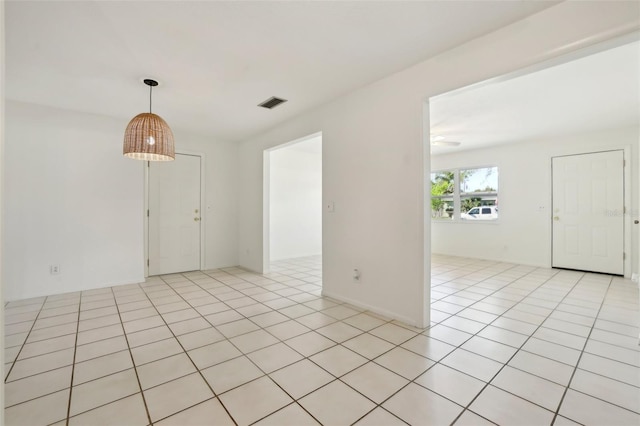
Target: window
[
  {"x": 466, "y": 194},
  {"x": 442, "y": 194}
]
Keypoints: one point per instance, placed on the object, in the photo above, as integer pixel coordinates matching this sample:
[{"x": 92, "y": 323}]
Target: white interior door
[
  {"x": 588, "y": 212},
  {"x": 174, "y": 215}
]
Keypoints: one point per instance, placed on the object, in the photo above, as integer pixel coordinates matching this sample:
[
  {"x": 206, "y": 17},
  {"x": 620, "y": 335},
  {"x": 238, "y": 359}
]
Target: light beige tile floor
[{"x": 508, "y": 344}]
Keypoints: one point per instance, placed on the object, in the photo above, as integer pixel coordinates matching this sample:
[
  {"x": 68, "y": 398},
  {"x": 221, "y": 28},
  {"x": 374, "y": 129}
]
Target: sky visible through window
[{"x": 480, "y": 179}]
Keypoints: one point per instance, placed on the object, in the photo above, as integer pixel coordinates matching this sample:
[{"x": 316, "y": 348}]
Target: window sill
[{"x": 474, "y": 222}]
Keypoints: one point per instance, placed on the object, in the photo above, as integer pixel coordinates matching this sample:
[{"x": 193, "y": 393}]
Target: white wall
[
  {"x": 374, "y": 157},
  {"x": 296, "y": 200},
  {"x": 523, "y": 232},
  {"x": 73, "y": 200}
]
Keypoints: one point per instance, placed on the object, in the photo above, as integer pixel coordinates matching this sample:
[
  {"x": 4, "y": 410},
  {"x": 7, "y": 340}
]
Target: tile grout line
[
  {"x": 336, "y": 342},
  {"x": 235, "y": 286},
  {"x": 412, "y": 381},
  {"x": 147, "y": 329},
  {"x": 268, "y": 375},
  {"x": 505, "y": 364},
  {"x": 135, "y": 369},
  {"x": 73, "y": 365},
  {"x": 492, "y": 293},
  {"x": 24, "y": 342},
  {"x": 215, "y": 396},
  {"x": 466, "y": 408},
  {"x": 294, "y": 400},
  {"x": 575, "y": 368},
  {"x": 249, "y": 296},
  {"x": 336, "y": 321},
  {"x": 376, "y": 405}
]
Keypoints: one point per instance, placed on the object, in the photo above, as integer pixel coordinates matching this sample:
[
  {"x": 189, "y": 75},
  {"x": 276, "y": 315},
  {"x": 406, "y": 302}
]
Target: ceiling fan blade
[{"x": 445, "y": 143}]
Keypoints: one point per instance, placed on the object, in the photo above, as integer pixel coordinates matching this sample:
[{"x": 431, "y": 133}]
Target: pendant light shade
[{"x": 148, "y": 137}]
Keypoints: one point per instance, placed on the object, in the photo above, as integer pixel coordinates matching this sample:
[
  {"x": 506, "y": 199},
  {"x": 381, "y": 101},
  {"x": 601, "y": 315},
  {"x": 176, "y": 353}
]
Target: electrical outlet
[
  {"x": 54, "y": 269},
  {"x": 356, "y": 275}
]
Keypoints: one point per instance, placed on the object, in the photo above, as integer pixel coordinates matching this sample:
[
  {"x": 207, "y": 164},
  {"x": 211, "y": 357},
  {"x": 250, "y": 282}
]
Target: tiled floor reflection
[{"x": 509, "y": 344}]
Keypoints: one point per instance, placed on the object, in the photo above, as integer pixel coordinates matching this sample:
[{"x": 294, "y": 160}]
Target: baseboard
[{"x": 388, "y": 314}]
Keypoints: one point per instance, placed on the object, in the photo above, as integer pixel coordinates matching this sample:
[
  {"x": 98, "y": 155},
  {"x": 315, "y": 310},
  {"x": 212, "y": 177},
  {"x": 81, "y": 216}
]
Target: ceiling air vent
[{"x": 272, "y": 102}]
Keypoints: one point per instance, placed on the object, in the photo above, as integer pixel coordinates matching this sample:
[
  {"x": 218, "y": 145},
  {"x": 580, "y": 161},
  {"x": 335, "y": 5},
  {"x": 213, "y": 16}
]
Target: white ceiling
[
  {"x": 217, "y": 60},
  {"x": 593, "y": 93}
]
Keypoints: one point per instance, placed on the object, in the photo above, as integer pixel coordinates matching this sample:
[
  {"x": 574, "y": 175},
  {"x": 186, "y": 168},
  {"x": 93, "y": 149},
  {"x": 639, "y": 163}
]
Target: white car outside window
[{"x": 481, "y": 213}]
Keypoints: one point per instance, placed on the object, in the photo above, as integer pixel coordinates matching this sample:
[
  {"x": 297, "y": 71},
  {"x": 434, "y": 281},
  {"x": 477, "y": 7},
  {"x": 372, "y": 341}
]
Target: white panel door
[
  {"x": 588, "y": 212},
  {"x": 174, "y": 215}
]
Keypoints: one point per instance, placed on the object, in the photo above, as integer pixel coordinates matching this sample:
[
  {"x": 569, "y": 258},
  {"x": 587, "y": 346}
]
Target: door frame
[
  {"x": 266, "y": 198},
  {"x": 626, "y": 191},
  {"x": 203, "y": 208}
]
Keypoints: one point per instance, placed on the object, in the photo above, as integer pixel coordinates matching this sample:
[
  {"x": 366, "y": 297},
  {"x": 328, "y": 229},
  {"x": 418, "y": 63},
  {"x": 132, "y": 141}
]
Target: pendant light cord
[{"x": 150, "y": 90}]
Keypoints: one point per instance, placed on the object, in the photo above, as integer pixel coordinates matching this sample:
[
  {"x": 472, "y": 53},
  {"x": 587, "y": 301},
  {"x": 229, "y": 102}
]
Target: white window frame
[{"x": 457, "y": 199}]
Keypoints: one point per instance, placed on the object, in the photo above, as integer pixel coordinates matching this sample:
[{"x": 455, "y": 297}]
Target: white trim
[
  {"x": 203, "y": 219},
  {"x": 457, "y": 197},
  {"x": 145, "y": 222},
  {"x": 426, "y": 219},
  {"x": 203, "y": 210},
  {"x": 266, "y": 211},
  {"x": 295, "y": 141},
  {"x": 2, "y": 180},
  {"x": 560, "y": 58},
  {"x": 375, "y": 310},
  {"x": 266, "y": 198}
]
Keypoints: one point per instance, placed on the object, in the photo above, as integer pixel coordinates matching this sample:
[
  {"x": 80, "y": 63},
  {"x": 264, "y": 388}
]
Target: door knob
[
  {"x": 196, "y": 219},
  {"x": 556, "y": 218}
]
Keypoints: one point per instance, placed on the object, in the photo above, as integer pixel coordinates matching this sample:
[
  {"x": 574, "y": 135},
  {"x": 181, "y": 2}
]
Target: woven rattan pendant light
[{"x": 148, "y": 137}]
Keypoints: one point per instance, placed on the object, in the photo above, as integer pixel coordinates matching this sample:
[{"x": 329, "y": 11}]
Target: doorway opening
[
  {"x": 292, "y": 239},
  {"x": 518, "y": 125}
]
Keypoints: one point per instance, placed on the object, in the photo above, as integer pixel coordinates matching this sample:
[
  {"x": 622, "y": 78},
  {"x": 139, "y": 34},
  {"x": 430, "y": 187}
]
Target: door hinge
[
  {"x": 147, "y": 212},
  {"x": 147, "y": 262},
  {"x": 624, "y": 256}
]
